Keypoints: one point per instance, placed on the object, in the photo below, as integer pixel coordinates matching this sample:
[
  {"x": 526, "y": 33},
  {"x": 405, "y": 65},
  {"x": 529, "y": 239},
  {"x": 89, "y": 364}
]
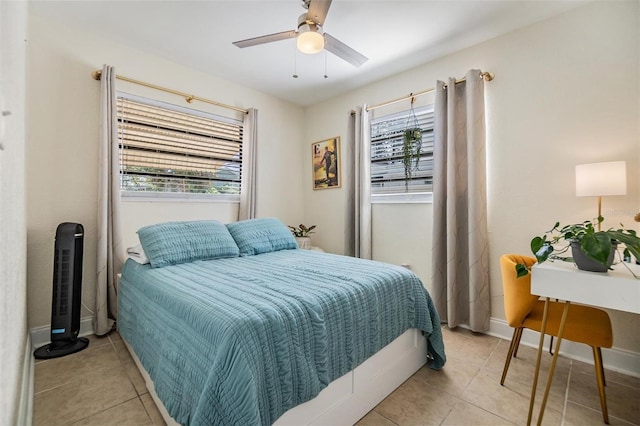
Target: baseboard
[
  {"x": 616, "y": 359},
  {"x": 42, "y": 335},
  {"x": 25, "y": 407}
]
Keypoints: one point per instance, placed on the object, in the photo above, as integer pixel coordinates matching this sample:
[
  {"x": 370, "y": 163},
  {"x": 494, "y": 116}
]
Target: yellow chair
[{"x": 585, "y": 324}]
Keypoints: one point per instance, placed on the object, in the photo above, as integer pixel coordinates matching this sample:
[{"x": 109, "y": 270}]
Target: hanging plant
[{"x": 411, "y": 146}]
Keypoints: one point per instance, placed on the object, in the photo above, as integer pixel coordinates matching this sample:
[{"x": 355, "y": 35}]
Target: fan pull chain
[
  {"x": 295, "y": 62},
  {"x": 325, "y": 65}
]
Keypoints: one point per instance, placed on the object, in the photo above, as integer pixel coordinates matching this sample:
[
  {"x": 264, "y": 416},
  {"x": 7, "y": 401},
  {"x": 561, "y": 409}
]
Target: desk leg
[
  {"x": 545, "y": 313},
  {"x": 563, "y": 321}
]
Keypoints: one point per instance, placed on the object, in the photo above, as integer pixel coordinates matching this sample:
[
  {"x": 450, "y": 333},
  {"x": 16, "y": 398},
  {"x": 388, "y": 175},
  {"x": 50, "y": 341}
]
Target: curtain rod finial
[
  {"x": 487, "y": 76},
  {"x": 96, "y": 74}
]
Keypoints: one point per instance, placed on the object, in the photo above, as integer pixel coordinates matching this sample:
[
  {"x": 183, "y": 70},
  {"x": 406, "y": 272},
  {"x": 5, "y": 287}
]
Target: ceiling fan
[{"x": 310, "y": 37}]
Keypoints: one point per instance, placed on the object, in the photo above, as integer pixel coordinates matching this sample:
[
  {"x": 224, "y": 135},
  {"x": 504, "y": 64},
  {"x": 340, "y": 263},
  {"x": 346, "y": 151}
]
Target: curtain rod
[
  {"x": 189, "y": 98},
  {"x": 486, "y": 75}
]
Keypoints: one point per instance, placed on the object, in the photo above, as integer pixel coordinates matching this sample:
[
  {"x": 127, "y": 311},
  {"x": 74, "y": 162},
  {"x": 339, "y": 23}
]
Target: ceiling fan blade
[
  {"x": 318, "y": 11},
  {"x": 265, "y": 39},
  {"x": 343, "y": 51}
]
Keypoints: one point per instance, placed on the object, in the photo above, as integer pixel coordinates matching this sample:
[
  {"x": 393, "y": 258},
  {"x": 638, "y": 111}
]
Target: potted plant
[
  {"x": 301, "y": 234},
  {"x": 592, "y": 250},
  {"x": 411, "y": 147}
]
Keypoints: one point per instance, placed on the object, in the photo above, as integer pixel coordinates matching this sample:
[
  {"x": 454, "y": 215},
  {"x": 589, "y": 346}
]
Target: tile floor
[{"x": 101, "y": 386}]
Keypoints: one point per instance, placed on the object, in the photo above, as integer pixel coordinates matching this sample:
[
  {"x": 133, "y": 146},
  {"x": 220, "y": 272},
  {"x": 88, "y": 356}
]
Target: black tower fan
[{"x": 67, "y": 294}]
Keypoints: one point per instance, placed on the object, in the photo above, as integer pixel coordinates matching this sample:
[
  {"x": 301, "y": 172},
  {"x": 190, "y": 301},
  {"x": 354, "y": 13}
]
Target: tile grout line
[
  {"x": 105, "y": 409},
  {"x": 478, "y": 372},
  {"x": 144, "y": 407},
  {"x": 566, "y": 394},
  {"x": 100, "y": 348},
  {"x": 138, "y": 396},
  {"x": 121, "y": 365},
  {"x": 59, "y": 385},
  {"x": 384, "y": 417}
]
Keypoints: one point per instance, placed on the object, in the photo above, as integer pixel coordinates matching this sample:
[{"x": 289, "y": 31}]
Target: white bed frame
[{"x": 350, "y": 397}]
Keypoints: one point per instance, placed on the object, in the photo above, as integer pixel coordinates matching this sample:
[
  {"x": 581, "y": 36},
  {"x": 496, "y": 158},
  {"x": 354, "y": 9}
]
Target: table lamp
[{"x": 599, "y": 179}]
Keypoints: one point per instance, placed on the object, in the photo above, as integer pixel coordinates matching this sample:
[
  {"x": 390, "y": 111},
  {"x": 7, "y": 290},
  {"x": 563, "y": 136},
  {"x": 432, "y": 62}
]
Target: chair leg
[
  {"x": 551, "y": 341},
  {"x": 512, "y": 346},
  {"x": 604, "y": 382},
  {"x": 518, "y": 337},
  {"x": 597, "y": 358}
]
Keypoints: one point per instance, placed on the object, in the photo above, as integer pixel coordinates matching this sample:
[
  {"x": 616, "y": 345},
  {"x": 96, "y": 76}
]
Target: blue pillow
[
  {"x": 255, "y": 236},
  {"x": 171, "y": 243}
]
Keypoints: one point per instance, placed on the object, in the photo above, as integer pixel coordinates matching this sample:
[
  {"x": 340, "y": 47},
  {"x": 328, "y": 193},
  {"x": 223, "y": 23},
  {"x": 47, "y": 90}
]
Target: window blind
[
  {"x": 387, "y": 138},
  {"x": 168, "y": 149}
]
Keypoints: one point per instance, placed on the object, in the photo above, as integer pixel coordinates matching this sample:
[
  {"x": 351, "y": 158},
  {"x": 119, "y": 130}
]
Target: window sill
[
  {"x": 129, "y": 196},
  {"x": 411, "y": 198}
]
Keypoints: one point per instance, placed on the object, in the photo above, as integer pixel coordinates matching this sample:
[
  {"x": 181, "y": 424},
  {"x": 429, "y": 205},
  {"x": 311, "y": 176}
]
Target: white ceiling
[{"x": 395, "y": 35}]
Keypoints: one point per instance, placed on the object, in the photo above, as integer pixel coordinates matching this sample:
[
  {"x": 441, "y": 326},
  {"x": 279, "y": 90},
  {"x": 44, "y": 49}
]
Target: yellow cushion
[
  {"x": 518, "y": 300},
  {"x": 585, "y": 324}
]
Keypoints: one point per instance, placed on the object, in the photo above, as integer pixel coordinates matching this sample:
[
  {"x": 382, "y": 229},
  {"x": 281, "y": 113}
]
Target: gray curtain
[
  {"x": 359, "y": 195},
  {"x": 247, "y": 208},
  {"x": 110, "y": 251},
  {"x": 460, "y": 246}
]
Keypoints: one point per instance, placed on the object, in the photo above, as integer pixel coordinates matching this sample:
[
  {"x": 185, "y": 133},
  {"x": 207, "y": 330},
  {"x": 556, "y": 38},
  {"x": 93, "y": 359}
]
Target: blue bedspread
[{"x": 242, "y": 340}]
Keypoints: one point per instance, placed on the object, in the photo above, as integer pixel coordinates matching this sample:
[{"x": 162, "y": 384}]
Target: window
[
  {"x": 387, "y": 168},
  {"x": 166, "y": 149}
]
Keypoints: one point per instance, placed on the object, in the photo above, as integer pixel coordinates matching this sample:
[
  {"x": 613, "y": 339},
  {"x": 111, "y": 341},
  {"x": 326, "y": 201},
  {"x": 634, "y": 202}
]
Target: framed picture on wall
[{"x": 325, "y": 163}]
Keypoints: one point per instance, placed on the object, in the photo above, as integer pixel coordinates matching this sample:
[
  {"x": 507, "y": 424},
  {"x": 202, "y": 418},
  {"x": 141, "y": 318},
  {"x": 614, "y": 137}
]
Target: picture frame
[{"x": 325, "y": 164}]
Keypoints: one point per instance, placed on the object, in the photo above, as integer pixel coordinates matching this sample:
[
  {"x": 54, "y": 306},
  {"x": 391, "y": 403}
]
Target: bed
[{"x": 233, "y": 324}]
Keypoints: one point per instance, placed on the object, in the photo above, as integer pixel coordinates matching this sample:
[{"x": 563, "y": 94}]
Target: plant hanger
[{"x": 412, "y": 145}]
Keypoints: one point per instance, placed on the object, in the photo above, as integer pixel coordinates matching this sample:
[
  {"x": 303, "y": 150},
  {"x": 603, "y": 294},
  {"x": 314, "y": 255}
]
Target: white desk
[{"x": 615, "y": 289}]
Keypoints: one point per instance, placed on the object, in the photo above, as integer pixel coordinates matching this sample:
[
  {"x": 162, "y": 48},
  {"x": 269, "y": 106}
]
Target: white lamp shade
[
  {"x": 310, "y": 42},
  {"x": 598, "y": 179}
]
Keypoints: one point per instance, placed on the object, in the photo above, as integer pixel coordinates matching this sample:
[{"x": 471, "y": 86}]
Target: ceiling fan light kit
[
  {"x": 310, "y": 39},
  {"x": 309, "y": 36}
]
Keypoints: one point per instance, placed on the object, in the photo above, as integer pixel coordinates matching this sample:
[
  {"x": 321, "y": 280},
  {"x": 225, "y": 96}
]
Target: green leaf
[
  {"x": 541, "y": 248},
  {"x": 521, "y": 270},
  {"x": 597, "y": 246},
  {"x": 537, "y": 243},
  {"x": 627, "y": 238},
  {"x": 630, "y": 239},
  {"x": 544, "y": 253}
]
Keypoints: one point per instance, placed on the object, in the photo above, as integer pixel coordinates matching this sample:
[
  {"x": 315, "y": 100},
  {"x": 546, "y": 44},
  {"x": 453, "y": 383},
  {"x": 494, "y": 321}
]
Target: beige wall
[
  {"x": 14, "y": 341},
  {"x": 566, "y": 92},
  {"x": 63, "y": 113}
]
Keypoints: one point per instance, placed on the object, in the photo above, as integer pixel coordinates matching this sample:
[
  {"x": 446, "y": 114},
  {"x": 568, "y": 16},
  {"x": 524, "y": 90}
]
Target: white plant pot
[{"x": 304, "y": 242}]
